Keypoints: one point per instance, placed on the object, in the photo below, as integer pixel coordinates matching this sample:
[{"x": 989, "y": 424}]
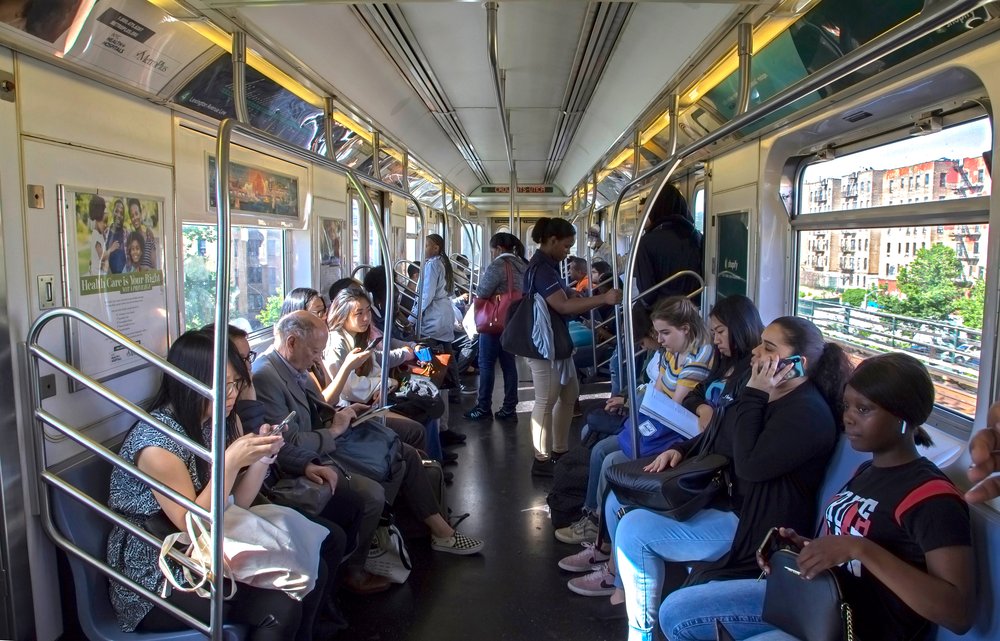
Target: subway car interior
[{"x": 173, "y": 167}]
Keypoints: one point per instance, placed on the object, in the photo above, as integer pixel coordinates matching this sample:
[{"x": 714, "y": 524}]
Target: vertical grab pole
[
  {"x": 239, "y": 56},
  {"x": 590, "y": 279},
  {"x": 219, "y": 373},
  {"x": 390, "y": 292},
  {"x": 744, "y": 36}
]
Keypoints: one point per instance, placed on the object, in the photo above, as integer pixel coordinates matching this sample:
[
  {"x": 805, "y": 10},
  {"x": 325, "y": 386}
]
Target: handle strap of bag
[
  {"x": 200, "y": 537},
  {"x": 510, "y": 276}
]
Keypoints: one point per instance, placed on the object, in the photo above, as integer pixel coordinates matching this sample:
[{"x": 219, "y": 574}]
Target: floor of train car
[{"x": 514, "y": 589}]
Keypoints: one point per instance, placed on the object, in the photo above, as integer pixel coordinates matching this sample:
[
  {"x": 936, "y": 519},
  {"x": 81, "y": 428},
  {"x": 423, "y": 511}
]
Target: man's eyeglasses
[{"x": 250, "y": 357}]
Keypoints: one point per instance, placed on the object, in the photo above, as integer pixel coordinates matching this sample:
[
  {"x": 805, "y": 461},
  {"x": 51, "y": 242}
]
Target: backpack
[{"x": 569, "y": 483}]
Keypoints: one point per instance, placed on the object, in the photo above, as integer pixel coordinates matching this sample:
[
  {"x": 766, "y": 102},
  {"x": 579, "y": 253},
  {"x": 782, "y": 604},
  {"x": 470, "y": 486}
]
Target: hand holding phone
[
  {"x": 773, "y": 542},
  {"x": 370, "y": 414},
  {"x": 372, "y": 344},
  {"x": 282, "y": 426},
  {"x": 797, "y": 370}
]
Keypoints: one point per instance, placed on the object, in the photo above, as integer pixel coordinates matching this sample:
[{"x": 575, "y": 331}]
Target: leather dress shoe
[{"x": 366, "y": 583}]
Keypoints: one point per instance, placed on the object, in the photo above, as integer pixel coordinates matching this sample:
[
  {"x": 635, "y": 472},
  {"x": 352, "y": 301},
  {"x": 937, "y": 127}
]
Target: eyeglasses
[
  {"x": 250, "y": 357},
  {"x": 234, "y": 387}
]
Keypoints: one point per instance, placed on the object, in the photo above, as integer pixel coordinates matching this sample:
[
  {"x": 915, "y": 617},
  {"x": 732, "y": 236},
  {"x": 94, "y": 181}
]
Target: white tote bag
[{"x": 388, "y": 556}]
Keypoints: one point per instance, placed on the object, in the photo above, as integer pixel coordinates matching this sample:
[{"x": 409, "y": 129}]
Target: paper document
[{"x": 664, "y": 409}]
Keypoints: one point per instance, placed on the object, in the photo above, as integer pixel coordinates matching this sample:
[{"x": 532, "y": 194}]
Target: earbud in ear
[{"x": 902, "y": 427}]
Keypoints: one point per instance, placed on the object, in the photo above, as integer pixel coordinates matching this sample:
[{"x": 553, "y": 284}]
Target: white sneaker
[
  {"x": 600, "y": 582},
  {"x": 582, "y": 530},
  {"x": 458, "y": 543},
  {"x": 586, "y": 560}
]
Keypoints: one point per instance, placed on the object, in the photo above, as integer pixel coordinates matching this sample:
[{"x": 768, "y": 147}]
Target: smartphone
[
  {"x": 424, "y": 354},
  {"x": 773, "y": 542},
  {"x": 372, "y": 344},
  {"x": 796, "y": 363},
  {"x": 370, "y": 414},
  {"x": 283, "y": 425}
]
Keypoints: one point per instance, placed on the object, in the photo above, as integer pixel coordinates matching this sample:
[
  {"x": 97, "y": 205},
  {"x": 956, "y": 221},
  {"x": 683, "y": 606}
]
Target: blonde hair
[{"x": 679, "y": 311}]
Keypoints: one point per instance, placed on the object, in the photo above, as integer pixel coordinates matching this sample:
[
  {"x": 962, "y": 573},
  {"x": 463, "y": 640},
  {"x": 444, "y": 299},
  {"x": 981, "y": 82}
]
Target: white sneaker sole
[
  {"x": 602, "y": 591},
  {"x": 569, "y": 567}
]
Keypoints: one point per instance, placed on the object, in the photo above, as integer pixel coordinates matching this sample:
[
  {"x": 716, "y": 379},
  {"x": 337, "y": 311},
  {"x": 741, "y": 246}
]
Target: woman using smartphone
[{"x": 898, "y": 532}]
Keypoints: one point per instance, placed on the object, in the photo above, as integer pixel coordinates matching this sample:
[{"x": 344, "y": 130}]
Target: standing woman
[
  {"x": 507, "y": 251},
  {"x": 555, "y": 382},
  {"x": 437, "y": 325}
]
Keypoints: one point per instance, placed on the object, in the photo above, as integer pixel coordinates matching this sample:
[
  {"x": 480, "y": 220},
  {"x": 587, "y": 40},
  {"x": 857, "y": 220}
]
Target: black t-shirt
[{"x": 909, "y": 510}]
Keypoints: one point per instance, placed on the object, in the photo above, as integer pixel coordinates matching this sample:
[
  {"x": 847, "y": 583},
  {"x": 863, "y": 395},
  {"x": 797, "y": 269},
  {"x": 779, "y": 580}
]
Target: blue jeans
[
  {"x": 489, "y": 351},
  {"x": 645, "y": 540},
  {"x": 690, "y": 614},
  {"x": 431, "y": 429},
  {"x": 601, "y": 450}
]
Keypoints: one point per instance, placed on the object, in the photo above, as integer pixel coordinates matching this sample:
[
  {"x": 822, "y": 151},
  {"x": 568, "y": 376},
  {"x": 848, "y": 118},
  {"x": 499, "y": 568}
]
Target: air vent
[{"x": 857, "y": 115}]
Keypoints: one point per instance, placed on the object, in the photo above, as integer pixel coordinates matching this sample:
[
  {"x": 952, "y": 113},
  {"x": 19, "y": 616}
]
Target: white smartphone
[{"x": 283, "y": 425}]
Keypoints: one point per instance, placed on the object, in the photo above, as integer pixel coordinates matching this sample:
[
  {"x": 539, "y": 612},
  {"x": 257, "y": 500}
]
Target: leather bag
[
  {"x": 813, "y": 610},
  {"x": 302, "y": 494},
  {"x": 679, "y": 492},
  {"x": 491, "y": 313}
]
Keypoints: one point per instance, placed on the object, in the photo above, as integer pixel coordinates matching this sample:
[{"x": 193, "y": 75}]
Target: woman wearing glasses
[{"x": 269, "y": 613}]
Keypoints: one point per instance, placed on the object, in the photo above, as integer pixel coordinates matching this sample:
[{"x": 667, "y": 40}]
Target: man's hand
[
  {"x": 341, "y": 421},
  {"x": 322, "y": 474}
]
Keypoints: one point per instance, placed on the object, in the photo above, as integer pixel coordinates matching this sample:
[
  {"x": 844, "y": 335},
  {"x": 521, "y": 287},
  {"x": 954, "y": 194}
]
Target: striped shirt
[{"x": 685, "y": 370}]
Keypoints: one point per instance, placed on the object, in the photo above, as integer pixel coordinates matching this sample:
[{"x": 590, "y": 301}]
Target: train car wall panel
[
  {"x": 330, "y": 185},
  {"x": 58, "y": 106},
  {"x": 736, "y": 168}
]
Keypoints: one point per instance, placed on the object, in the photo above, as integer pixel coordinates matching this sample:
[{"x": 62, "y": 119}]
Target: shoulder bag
[
  {"x": 491, "y": 313},
  {"x": 371, "y": 449},
  {"x": 681, "y": 491},
  {"x": 388, "y": 555},
  {"x": 302, "y": 494},
  {"x": 813, "y": 610},
  {"x": 525, "y": 319}
]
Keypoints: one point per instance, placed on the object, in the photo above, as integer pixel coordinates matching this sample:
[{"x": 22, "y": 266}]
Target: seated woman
[
  {"x": 778, "y": 432},
  {"x": 684, "y": 359},
  {"x": 270, "y": 613},
  {"x": 310, "y": 300},
  {"x": 898, "y": 532},
  {"x": 350, "y": 323}
]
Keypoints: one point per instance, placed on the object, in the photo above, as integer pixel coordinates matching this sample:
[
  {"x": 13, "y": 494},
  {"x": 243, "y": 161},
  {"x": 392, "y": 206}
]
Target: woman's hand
[
  {"x": 670, "y": 458},
  {"x": 612, "y": 296},
  {"x": 356, "y": 358},
  {"x": 251, "y": 448},
  {"x": 791, "y": 537},
  {"x": 322, "y": 474},
  {"x": 765, "y": 375},
  {"x": 984, "y": 449},
  {"x": 615, "y": 405},
  {"x": 827, "y": 552}
]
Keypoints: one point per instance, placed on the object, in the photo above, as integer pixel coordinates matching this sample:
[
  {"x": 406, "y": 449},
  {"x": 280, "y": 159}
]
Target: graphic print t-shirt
[{"x": 909, "y": 510}]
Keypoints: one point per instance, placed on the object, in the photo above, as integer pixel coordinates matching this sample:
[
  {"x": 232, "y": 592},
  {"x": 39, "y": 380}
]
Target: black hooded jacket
[{"x": 671, "y": 245}]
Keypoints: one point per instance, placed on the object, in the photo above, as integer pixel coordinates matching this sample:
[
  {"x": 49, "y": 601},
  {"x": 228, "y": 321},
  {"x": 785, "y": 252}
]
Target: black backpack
[{"x": 569, "y": 484}]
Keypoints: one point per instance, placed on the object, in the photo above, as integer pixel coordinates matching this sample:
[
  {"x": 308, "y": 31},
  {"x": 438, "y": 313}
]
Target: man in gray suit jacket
[{"x": 282, "y": 382}]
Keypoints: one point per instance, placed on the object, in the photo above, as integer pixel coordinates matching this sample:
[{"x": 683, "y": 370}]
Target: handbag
[
  {"x": 388, "y": 555},
  {"x": 418, "y": 398},
  {"x": 302, "y": 494},
  {"x": 436, "y": 369},
  {"x": 679, "y": 492},
  {"x": 523, "y": 321},
  {"x": 813, "y": 610},
  {"x": 371, "y": 449},
  {"x": 491, "y": 313},
  {"x": 268, "y": 546}
]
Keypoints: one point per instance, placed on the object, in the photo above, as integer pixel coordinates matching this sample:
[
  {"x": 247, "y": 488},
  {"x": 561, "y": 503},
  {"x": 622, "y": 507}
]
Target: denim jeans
[
  {"x": 616, "y": 375},
  {"x": 690, "y": 614},
  {"x": 600, "y": 451},
  {"x": 645, "y": 540},
  {"x": 489, "y": 351},
  {"x": 433, "y": 448}
]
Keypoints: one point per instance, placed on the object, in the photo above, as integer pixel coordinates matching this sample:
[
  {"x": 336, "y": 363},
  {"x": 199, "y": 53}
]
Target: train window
[
  {"x": 412, "y": 225},
  {"x": 698, "y": 211},
  {"x": 889, "y": 281},
  {"x": 258, "y": 276}
]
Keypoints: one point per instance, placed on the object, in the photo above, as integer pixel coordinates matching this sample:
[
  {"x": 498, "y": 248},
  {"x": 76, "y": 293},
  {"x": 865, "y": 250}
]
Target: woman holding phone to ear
[{"x": 779, "y": 433}]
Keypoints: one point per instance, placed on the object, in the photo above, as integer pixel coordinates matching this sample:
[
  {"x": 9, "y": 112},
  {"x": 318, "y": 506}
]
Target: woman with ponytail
[
  {"x": 507, "y": 251},
  {"x": 555, "y": 382},
  {"x": 779, "y": 431}
]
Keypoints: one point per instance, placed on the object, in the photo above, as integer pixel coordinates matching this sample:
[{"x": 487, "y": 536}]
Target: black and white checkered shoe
[{"x": 457, "y": 544}]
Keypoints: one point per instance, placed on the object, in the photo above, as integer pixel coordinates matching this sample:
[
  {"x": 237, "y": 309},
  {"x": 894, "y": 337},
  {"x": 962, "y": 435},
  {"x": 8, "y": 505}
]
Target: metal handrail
[
  {"x": 493, "y": 51},
  {"x": 359, "y": 268},
  {"x": 674, "y": 276},
  {"x": 932, "y": 17},
  {"x": 42, "y": 417}
]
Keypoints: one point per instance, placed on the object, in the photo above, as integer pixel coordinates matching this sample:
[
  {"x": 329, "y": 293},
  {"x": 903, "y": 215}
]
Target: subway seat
[{"x": 89, "y": 531}]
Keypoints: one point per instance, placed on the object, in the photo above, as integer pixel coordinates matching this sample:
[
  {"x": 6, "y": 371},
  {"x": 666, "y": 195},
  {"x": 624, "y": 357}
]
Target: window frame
[{"x": 974, "y": 210}]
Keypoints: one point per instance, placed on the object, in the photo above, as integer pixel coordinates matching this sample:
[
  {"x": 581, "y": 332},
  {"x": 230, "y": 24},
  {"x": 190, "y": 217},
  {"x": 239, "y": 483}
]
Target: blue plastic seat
[
  {"x": 842, "y": 466},
  {"x": 89, "y": 531}
]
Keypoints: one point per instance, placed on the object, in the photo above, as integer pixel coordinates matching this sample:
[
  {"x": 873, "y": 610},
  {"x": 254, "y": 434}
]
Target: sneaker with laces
[
  {"x": 586, "y": 560},
  {"x": 457, "y": 543},
  {"x": 583, "y": 530},
  {"x": 478, "y": 414},
  {"x": 600, "y": 582}
]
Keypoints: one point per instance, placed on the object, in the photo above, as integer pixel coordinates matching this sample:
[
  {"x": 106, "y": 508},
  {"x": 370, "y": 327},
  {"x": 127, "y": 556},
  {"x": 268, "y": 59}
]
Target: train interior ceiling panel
[{"x": 167, "y": 164}]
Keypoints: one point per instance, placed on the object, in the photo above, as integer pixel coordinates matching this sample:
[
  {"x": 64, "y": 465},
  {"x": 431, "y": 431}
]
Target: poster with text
[{"x": 115, "y": 273}]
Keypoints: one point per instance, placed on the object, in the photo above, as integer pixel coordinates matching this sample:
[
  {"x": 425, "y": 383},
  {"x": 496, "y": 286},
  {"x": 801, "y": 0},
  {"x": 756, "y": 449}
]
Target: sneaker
[
  {"x": 600, "y": 582},
  {"x": 583, "y": 530},
  {"x": 543, "y": 468},
  {"x": 468, "y": 389},
  {"x": 457, "y": 544},
  {"x": 478, "y": 414},
  {"x": 586, "y": 560},
  {"x": 506, "y": 415}
]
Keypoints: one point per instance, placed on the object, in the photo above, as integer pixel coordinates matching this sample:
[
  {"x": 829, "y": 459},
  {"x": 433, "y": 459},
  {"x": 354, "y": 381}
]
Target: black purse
[
  {"x": 813, "y": 610},
  {"x": 516, "y": 337},
  {"x": 679, "y": 492}
]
